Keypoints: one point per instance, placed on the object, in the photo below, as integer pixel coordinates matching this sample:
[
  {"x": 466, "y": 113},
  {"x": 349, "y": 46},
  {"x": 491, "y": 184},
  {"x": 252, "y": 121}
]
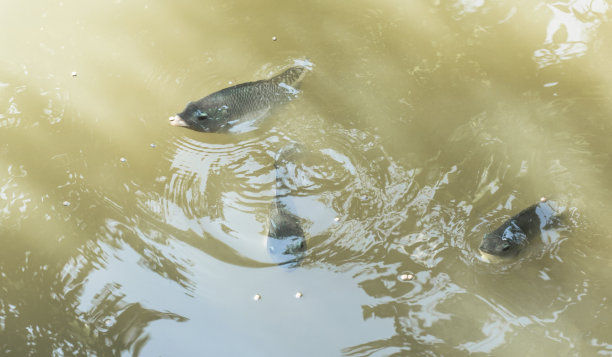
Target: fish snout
[{"x": 176, "y": 120}]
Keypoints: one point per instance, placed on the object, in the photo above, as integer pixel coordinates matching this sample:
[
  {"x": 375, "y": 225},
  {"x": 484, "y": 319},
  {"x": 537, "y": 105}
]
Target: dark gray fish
[
  {"x": 241, "y": 105},
  {"x": 286, "y": 241},
  {"x": 514, "y": 234}
]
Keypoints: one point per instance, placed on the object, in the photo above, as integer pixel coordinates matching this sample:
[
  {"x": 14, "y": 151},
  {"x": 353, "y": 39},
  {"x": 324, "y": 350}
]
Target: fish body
[
  {"x": 240, "y": 105},
  {"x": 514, "y": 234},
  {"x": 286, "y": 239}
]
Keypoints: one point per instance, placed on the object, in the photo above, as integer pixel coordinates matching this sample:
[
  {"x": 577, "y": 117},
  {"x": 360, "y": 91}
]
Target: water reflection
[
  {"x": 221, "y": 186},
  {"x": 439, "y": 230},
  {"x": 42, "y": 307},
  {"x": 466, "y": 7},
  {"x": 52, "y": 302},
  {"x": 571, "y": 30}
]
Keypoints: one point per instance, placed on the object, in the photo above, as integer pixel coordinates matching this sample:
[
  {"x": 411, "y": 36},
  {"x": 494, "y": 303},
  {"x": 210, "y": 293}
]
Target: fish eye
[{"x": 201, "y": 115}]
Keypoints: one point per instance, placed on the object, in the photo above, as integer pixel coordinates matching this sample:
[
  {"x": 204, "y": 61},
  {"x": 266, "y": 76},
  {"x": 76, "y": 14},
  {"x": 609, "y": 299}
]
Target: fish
[
  {"x": 286, "y": 239},
  {"x": 234, "y": 108},
  {"x": 509, "y": 239}
]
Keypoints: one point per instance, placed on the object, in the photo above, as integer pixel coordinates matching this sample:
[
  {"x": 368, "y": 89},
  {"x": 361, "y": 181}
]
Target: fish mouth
[
  {"x": 287, "y": 251},
  {"x": 487, "y": 257},
  {"x": 176, "y": 120},
  {"x": 492, "y": 258}
]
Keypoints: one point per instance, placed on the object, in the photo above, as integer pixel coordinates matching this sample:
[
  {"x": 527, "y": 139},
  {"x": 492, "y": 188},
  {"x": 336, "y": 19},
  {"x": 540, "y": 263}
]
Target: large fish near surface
[
  {"x": 514, "y": 234},
  {"x": 241, "y": 105},
  {"x": 286, "y": 241}
]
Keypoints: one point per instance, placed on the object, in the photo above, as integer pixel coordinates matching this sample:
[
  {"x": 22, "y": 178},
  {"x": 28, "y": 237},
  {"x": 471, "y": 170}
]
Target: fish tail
[
  {"x": 292, "y": 76},
  {"x": 284, "y": 157},
  {"x": 286, "y": 154}
]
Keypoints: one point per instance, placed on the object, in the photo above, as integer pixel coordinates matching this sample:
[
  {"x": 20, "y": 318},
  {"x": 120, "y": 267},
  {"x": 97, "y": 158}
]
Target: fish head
[
  {"x": 203, "y": 117},
  {"x": 286, "y": 240},
  {"x": 496, "y": 246},
  {"x": 505, "y": 244},
  {"x": 287, "y": 250}
]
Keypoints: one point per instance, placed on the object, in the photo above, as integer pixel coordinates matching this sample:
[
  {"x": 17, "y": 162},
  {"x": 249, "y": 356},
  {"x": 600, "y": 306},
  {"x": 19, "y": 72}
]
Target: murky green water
[{"x": 425, "y": 123}]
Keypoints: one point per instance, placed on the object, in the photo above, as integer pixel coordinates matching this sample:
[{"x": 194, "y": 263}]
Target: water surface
[{"x": 426, "y": 124}]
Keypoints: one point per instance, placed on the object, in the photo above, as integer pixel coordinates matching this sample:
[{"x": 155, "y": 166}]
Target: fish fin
[{"x": 291, "y": 77}]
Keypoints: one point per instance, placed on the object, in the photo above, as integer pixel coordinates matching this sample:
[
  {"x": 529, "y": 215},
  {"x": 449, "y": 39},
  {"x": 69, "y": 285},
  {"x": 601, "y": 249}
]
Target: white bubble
[{"x": 406, "y": 276}]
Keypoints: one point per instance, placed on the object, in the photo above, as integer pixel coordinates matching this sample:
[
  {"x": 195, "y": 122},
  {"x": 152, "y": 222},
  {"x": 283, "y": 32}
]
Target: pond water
[{"x": 423, "y": 125}]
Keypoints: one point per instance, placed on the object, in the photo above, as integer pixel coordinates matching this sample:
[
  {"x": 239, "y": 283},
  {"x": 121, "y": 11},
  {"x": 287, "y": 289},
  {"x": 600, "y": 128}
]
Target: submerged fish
[
  {"x": 514, "y": 234},
  {"x": 242, "y": 104},
  {"x": 286, "y": 242}
]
